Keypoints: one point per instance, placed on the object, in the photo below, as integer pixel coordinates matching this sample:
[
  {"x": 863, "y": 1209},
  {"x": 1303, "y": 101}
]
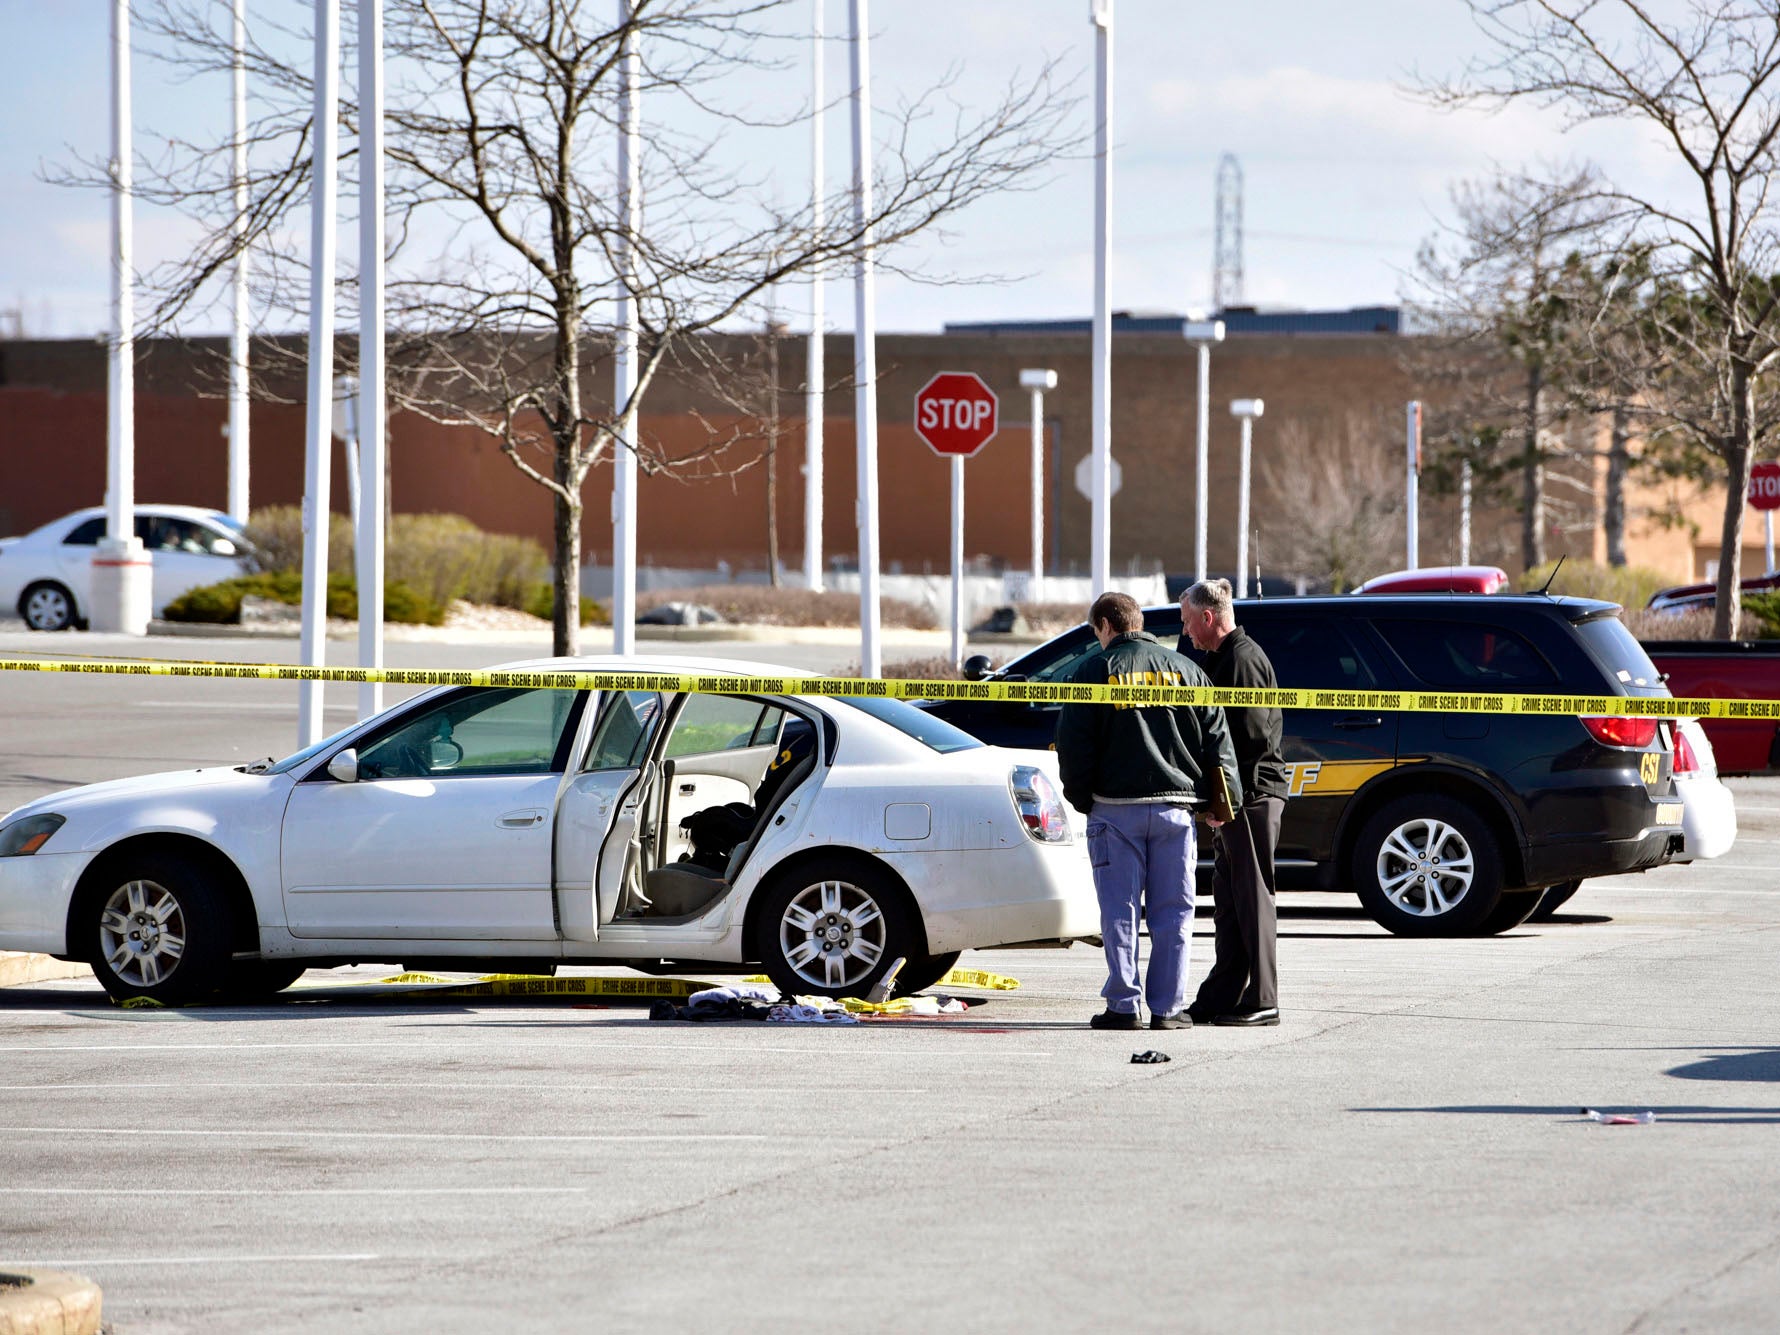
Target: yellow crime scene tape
[{"x": 1025, "y": 692}]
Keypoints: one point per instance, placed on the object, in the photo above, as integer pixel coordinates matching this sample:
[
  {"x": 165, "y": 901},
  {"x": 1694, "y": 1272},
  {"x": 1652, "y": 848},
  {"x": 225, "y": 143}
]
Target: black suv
[{"x": 1445, "y": 824}]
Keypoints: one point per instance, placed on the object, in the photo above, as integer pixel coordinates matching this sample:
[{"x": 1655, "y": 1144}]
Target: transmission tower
[{"x": 1226, "y": 276}]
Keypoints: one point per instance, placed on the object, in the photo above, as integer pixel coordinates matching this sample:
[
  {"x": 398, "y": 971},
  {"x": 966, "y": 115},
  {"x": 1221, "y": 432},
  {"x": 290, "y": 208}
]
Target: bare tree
[
  {"x": 1703, "y": 81},
  {"x": 504, "y": 281},
  {"x": 1337, "y": 510},
  {"x": 1503, "y": 281}
]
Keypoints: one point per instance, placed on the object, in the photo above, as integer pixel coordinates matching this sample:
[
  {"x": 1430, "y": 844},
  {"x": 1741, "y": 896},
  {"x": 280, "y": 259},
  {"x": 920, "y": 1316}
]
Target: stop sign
[
  {"x": 955, "y": 414},
  {"x": 1764, "y": 486}
]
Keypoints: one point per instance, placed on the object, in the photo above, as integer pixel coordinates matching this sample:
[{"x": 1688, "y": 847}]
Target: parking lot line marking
[
  {"x": 258, "y": 1133},
  {"x": 81, "y": 1263},
  {"x": 633, "y": 1088},
  {"x": 455, "y": 1043},
  {"x": 290, "y": 1191}
]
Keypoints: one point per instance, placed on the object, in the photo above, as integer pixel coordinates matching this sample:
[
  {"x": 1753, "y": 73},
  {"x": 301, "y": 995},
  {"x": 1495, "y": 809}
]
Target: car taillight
[
  {"x": 1039, "y": 804},
  {"x": 1621, "y": 730},
  {"x": 1686, "y": 762}
]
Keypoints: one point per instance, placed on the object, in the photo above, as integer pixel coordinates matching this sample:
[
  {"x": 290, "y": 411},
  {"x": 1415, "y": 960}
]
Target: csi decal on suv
[{"x": 1442, "y": 823}]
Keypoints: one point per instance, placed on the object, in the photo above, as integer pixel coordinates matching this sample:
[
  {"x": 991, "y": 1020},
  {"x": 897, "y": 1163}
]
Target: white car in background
[
  {"x": 1708, "y": 811},
  {"x": 542, "y": 826},
  {"x": 47, "y": 574}
]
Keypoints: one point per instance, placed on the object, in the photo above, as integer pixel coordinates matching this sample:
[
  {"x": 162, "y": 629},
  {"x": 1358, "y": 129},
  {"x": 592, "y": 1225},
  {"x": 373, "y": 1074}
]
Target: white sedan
[
  {"x": 543, "y": 826},
  {"x": 47, "y": 574}
]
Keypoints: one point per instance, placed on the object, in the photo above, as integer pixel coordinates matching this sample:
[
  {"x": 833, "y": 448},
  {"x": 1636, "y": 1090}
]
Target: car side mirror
[
  {"x": 223, "y": 547},
  {"x": 978, "y": 667},
  {"x": 344, "y": 766}
]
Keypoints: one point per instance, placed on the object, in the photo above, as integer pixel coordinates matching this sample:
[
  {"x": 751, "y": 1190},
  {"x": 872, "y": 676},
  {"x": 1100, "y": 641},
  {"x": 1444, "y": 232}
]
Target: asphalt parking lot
[{"x": 1404, "y": 1153}]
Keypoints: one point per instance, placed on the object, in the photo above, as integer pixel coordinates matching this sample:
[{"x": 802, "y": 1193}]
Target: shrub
[
  {"x": 1629, "y": 586},
  {"x": 911, "y": 669},
  {"x": 439, "y": 557},
  {"x": 540, "y": 601},
  {"x": 763, "y": 605},
  {"x": 1052, "y": 618},
  {"x": 1695, "y": 625},
  {"x": 220, "y": 604}
]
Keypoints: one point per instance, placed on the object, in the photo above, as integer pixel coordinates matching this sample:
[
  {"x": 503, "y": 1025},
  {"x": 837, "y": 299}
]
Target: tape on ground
[{"x": 1023, "y": 692}]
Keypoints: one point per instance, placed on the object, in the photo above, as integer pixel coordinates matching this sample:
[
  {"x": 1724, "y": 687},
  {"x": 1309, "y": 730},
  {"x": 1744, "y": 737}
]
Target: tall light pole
[
  {"x": 372, "y": 406},
  {"x": 1038, "y": 381},
  {"x": 1202, "y": 334},
  {"x": 1244, "y": 411},
  {"x": 1100, "y": 13},
  {"x": 238, "y": 400},
  {"x": 865, "y": 352},
  {"x": 1465, "y": 517},
  {"x": 123, "y": 578},
  {"x": 1413, "y": 434},
  {"x": 319, "y": 424},
  {"x": 624, "y": 388},
  {"x": 813, "y": 398}
]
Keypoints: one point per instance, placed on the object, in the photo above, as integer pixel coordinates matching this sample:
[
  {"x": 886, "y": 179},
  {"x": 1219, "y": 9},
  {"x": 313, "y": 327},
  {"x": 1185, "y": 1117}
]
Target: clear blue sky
[{"x": 1345, "y": 175}]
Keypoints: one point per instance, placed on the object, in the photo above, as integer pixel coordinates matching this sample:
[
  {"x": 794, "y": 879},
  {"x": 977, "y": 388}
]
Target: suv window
[
  {"x": 1618, "y": 650},
  {"x": 1467, "y": 656},
  {"x": 1314, "y": 655}
]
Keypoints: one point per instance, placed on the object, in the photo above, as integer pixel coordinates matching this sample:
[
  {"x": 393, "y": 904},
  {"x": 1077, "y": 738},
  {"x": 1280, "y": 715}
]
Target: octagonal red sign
[
  {"x": 1764, "y": 486},
  {"x": 955, "y": 413}
]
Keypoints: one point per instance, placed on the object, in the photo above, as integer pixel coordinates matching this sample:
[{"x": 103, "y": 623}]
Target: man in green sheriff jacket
[{"x": 1137, "y": 772}]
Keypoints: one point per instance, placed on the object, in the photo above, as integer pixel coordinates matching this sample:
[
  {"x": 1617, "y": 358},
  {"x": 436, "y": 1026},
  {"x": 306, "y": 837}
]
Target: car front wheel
[
  {"x": 47, "y": 606},
  {"x": 830, "y": 928},
  {"x": 1427, "y": 866},
  {"x": 159, "y": 927}
]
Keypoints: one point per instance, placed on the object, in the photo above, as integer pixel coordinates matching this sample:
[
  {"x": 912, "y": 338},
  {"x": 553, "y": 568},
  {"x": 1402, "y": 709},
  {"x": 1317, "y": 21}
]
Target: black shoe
[
  {"x": 1116, "y": 1020},
  {"x": 1179, "y": 1020},
  {"x": 1200, "y": 1014},
  {"x": 1249, "y": 1019}
]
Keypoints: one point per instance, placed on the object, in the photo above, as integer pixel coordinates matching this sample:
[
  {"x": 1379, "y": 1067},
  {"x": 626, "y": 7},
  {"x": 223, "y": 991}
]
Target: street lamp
[
  {"x": 1245, "y": 411},
  {"x": 1038, "y": 381},
  {"x": 1202, "y": 334}
]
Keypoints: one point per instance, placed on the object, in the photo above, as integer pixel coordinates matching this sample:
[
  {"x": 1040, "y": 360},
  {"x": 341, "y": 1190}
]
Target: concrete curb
[
  {"x": 48, "y": 1302},
  {"x": 18, "y": 968},
  {"x": 710, "y": 634}
]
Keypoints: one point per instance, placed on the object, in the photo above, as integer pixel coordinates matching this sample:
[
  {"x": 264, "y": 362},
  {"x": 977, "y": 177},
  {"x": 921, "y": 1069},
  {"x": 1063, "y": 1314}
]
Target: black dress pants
[{"x": 1245, "y": 974}]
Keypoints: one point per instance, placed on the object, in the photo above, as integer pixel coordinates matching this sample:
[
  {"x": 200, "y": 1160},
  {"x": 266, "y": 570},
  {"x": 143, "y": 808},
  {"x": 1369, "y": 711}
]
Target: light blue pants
[{"x": 1144, "y": 854}]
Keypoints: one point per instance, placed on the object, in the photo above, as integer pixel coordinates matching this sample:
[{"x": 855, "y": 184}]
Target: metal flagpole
[
  {"x": 238, "y": 401},
  {"x": 865, "y": 355},
  {"x": 814, "y": 405},
  {"x": 1038, "y": 380},
  {"x": 1465, "y": 513},
  {"x": 319, "y": 427},
  {"x": 122, "y": 576},
  {"x": 624, "y": 388},
  {"x": 1100, "y": 413},
  {"x": 373, "y": 408},
  {"x": 1411, "y": 500}
]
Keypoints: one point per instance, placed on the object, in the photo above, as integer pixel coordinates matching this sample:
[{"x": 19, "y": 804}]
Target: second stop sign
[{"x": 955, "y": 414}]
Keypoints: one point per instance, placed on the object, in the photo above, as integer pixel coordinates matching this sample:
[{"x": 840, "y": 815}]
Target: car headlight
[
  {"x": 24, "y": 837},
  {"x": 1039, "y": 804}
]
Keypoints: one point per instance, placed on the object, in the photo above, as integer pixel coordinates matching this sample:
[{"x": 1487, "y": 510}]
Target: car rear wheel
[
  {"x": 1553, "y": 898},
  {"x": 47, "y": 606},
  {"x": 831, "y": 927},
  {"x": 159, "y": 927},
  {"x": 1427, "y": 866},
  {"x": 923, "y": 972},
  {"x": 1511, "y": 910}
]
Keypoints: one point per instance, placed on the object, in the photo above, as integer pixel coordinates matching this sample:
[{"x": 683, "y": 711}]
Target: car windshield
[
  {"x": 1618, "y": 650},
  {"x": 291, "y": 762},
  {"x": 931, "y": 732}
]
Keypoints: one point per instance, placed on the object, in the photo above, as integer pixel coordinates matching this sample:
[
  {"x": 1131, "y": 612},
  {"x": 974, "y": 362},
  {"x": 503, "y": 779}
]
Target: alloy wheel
[
  {"x": 142, "y": 932},
  {"x": 832, "y": 934},
  {"x": 1425, "y": 867},
  {"x": 47, "y": 608}
]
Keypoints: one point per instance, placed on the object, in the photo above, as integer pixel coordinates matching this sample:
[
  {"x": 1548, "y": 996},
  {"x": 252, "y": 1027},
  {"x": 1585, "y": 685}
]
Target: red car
[{"x": 1440, "y": 579}]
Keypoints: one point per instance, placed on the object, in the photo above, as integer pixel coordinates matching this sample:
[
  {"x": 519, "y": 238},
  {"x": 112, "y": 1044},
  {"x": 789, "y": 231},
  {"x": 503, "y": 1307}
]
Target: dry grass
[
  {"x": 763, "y": 605},
  {"x": 1648, "y": 625},
  {"x": 1049, "y": 619},
  {"x": 911, "y": 669}
]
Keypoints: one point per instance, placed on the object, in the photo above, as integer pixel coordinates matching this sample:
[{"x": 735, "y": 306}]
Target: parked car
[
  {"x": 543, "y": 826},
  {"x": 1444, "y": 823},
  {"x": 1708, "y": 817},
  {"x": 47, "y": 574},
  {"x": 1440, "y": 579},
  {"x": 1727, "y": 670},
  {"x": 1704, "y": 595}
]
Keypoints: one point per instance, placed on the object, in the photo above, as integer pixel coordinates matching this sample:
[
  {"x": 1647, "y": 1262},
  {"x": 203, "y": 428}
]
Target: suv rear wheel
[{"x": 1427, "y": 865}]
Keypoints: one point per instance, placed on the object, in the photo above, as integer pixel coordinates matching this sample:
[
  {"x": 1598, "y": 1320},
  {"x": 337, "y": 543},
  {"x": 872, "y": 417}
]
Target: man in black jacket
[
  {"x": 1137, "y": 772},
  {"x": 1243, "y": 986}
]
